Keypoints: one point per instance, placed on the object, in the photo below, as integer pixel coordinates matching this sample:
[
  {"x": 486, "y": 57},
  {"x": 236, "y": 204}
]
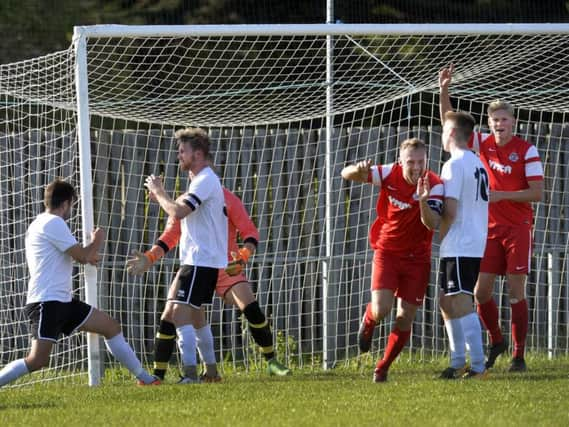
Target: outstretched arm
[
  {"x": 445, "y": 79},
  {"x": 142, "y": 261},
  {"x": 358, "y": 172}
]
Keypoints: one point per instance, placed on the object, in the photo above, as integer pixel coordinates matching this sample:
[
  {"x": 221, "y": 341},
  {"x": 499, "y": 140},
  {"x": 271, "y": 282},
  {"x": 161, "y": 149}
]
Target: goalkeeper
[{"x": 232, "y": 285}]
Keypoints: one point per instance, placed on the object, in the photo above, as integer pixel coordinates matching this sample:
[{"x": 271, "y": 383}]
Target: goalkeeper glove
[
  {"x": 140, "y": 262},
  {"x": 240, "y": 258}
]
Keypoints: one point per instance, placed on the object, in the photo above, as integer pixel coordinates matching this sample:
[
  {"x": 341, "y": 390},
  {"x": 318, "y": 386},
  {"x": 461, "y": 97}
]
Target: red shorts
[
  {"x": 407, "y": 276},
  {"x": 226, "y": 282},
  {"x": 508, "y": 250}
]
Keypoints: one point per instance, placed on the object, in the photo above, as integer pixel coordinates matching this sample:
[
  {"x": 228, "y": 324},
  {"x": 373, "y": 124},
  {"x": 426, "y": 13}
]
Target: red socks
[
  {"x": 395, "y": 343},
  {"x": 519, "y": 327},
  {"x": 488, "y": 313},
  {"x": 369, "y": 316}
]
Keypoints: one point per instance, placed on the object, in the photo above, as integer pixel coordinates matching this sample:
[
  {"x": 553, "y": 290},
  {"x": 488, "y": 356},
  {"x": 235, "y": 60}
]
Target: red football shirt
[
  {"x": 510, "y": 167},
  {"x": 398, "y": 227}
]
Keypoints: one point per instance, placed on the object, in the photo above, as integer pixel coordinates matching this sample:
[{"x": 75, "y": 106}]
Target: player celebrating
[
  {"x": 516, "y": 180},
  {"x": 203, "y": 250},
  {"x": 232, "y": 285},
  {"x": 464, "y": 226},
  {"x": 50, "y": 306},
  {"x": 401, "y": 243}
]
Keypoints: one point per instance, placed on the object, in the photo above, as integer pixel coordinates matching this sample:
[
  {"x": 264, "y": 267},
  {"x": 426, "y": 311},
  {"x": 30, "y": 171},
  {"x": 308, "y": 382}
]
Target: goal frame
[{"x": 82, "y": 33}]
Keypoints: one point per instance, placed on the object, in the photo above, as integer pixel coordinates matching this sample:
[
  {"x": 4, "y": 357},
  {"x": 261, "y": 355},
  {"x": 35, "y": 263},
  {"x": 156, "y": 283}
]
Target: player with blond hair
[
  {"x": 232, "y": 284},
  {"x": 516, "y": 180},
  {"x": 203, "y": 249},
  {"x": 401, "y": 242}
]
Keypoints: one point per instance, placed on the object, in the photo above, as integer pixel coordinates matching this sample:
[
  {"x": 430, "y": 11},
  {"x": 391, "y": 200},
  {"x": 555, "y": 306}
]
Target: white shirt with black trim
[
  {"x": 47, "y": 239},
  {"x": 204, "y": 231},
  {"x": 466, "y": 180}
]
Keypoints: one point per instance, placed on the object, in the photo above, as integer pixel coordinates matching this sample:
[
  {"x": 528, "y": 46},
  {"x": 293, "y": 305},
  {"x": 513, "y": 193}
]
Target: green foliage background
[{"x": 30, "y": 28}]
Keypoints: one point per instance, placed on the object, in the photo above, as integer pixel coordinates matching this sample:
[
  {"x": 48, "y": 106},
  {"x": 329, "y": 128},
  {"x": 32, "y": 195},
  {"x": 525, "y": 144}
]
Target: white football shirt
[
  {"x": 47, "y": 239},
  {"x": 203, "y": 241},
  {"x": 466, "y": 180}
]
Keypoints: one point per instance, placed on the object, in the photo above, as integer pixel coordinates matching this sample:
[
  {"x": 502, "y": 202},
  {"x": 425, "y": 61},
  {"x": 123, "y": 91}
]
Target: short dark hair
[
  {"x": 197, "y": 138},
  {"x": 463, "y": 123},
  {"x": 57, "y": 192}
]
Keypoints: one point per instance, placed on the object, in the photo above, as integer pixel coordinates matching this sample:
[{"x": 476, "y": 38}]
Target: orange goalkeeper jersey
[{"x": 238, "y": 221}]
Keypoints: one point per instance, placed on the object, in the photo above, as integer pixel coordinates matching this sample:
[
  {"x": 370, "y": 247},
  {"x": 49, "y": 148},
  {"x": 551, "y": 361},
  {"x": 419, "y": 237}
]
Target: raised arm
[
  {"x": 445, "y": 79},
  {"x": 175, "y": 208},
  {"x": 358, "y": 172}
]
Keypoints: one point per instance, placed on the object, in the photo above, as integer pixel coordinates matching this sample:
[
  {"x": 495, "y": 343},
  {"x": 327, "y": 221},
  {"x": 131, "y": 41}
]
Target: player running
[
  {"x": 50, "y": 306},
  {"x": 401, "y": 243}
]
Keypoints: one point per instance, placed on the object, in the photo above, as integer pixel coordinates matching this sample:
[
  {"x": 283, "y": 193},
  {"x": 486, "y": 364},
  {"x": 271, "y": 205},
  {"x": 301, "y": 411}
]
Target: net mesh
[{"x": 263, "y": 101}]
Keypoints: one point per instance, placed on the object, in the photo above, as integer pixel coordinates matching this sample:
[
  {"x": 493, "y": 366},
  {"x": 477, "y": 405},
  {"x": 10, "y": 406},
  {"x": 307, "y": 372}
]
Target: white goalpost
[{"x": 286, "y": 106}]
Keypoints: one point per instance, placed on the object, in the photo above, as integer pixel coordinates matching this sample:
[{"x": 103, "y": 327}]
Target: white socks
[
  {"x": 205, "y": 345},
  {"x": 123, "y": 352},
  {"x": 465, "y": 333},
  {"x": 473, "y": 336},
  {"x": 187, "y": 344},
  {"x": 457, "y": 343},
  {"x": 13, "y": 371}
]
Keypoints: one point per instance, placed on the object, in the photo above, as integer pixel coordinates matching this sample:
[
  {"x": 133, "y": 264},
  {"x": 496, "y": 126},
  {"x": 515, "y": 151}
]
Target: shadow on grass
[{"x": 27, "y": 405}]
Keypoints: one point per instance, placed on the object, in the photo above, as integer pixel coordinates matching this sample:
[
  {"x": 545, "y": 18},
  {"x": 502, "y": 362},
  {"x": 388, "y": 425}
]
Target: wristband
[
  {"x": 244, "y": 254},
  {"x": 151, "y": 254}
]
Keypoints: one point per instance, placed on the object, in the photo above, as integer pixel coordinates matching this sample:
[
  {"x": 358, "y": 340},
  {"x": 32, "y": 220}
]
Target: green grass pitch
[{"x": 344, "y": 396}]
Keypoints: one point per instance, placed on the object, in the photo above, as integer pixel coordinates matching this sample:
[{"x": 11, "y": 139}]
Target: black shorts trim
[
  {"x": 194, "y": 285},
  {"x": 458, "y": 275},
  {"x": 49, "y": 319}
]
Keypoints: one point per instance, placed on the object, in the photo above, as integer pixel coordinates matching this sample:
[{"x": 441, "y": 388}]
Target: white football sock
[
  {"x": 205, "y": 345},
  {"x": 124, "y": 353},
  {"x": 187, "y": 344},
  {"x": 13, "y": 371},
  {"x": 457, "y": 343},
  {"x": 473, "y": 336}
]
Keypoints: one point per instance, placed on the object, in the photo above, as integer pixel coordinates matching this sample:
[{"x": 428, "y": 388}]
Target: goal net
[{"x": 287, "y": 107}]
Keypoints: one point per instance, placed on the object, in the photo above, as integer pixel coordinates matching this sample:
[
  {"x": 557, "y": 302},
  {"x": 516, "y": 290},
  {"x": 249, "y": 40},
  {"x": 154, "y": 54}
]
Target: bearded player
[
  {"x": 232, "y": 285},
  {"x": 402, "y": 245}
]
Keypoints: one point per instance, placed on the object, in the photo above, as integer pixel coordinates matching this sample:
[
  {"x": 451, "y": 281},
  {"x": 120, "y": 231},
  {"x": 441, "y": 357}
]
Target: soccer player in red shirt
[
  {"x": 232, "y": 285},
  {"x": 401, "y": 243},
  {"x": 516, "y": 180}
]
